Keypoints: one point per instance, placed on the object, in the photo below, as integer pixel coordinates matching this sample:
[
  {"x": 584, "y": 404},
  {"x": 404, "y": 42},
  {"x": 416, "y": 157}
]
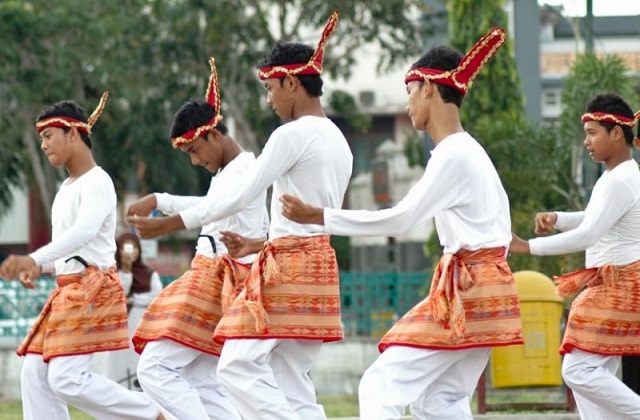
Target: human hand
[
  {"x": 300, "y": 212},
  {"x": 27, "y": 278},
  {"x": 545, "y": 222},
  {"x": 518, "y": 246},
  {"x": 239, "y": 246},
  {"x": 144, "y": 206},
  {"x": 16, "y": 264},
  {"x": 151, "y": 227}
]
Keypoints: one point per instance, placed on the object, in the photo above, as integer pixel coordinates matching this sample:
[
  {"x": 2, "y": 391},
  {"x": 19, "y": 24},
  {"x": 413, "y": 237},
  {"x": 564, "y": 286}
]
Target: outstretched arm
[
  {"x": 518, "y": 245},
  {"x": 151, "y": 227}
]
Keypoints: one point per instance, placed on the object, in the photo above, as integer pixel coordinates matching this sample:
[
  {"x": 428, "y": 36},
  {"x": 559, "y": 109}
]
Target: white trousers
[
  {"x": 436, "y": 384},
  {"x": 599, "y": 394},
  {"x": 122, "y": 364},
  {"x": 183, "y": 382},
  {"x": 47, "y": 388},
  {"x": 269, "y": 379}
]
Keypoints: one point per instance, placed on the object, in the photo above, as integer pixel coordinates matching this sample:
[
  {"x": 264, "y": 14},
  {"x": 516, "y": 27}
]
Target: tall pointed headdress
[
  {"x": 461, "y": 78},
  {"x": 313, "y": 67},
  {"x": 213, "y": 98},
  {"x": 67, "y": 122},
  {"x": 611, "y": 118}
]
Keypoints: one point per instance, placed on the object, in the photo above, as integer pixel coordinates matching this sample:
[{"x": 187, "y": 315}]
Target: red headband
[
  {"x": 213, "y": 98},
  {"x": 66, "y": 122},
  {"x": 311, "y": 68},
  {"x": 461, "y": 78},
  {"x": 611, "y": 118}
]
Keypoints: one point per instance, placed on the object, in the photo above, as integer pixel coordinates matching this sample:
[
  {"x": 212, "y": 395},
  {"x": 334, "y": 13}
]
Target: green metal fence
[{"x": 371, "y": 302}]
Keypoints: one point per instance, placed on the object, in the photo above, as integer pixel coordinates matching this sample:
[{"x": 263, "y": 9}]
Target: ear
[
  {"x": 427, "y": 89},
  {"x": 291, "y": 83},
  {"x": 74, "y": 134},
  {"x": 618, "y": 134},
  {"x": 213, "y": 135}
]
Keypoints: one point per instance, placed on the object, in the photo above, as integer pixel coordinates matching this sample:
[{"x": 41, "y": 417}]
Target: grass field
[
  {"x": 344, "y": 405},
  {"x": 340, "y": 406},
  {"x": 12, "y": 410}
]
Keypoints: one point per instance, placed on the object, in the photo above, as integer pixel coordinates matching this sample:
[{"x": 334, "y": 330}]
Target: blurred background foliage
[{"x": 152, "y": 55}]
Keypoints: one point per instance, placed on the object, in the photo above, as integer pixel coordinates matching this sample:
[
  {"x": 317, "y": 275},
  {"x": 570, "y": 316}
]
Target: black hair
[
  {"x": 294, "y": 53},
  {"x": 444, "y": 58},
  {"x": 194, "y": 114},
  {"x": 68, "y": 109},
  {"x": 612, "y": 103}
]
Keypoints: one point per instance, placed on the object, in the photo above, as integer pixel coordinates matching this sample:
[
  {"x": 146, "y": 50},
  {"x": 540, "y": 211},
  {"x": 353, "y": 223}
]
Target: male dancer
[
  {"x": 433, "y": 356},
  {"x": 86, "y": 313},
  {"x": 178, "y": 362},
  {"x": 273, "y": 331},
  {"x": 604, "y": 320}
]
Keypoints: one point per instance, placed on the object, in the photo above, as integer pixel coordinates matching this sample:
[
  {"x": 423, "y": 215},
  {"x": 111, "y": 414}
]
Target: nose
[
  {"x": 194, "y": 160},
  {"x": 43, "y": 147},
  {"x": 269, "y": 101}
]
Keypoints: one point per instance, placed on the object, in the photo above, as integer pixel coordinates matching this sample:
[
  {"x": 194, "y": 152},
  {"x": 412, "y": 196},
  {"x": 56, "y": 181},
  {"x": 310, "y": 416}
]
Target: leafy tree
[
  {"x": 152, "y": 56},
  {"x": 496, "y": 89}
]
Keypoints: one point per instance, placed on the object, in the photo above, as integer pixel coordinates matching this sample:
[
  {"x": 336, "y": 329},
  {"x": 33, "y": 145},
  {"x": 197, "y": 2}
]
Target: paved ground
[{"x": 544, "y": 416}]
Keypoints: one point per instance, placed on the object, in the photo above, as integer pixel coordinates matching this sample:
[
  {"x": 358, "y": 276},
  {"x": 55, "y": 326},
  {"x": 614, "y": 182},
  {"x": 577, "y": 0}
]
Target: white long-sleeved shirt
[
  {"x": 608, "y": 229},
  {"x": 308, "y": 157},
  {"x": 140, "y": 299},
  {"x": 83, "y": 219},
  {"x": 460, "y": 189},
  {"x": 251, "y": 221}
]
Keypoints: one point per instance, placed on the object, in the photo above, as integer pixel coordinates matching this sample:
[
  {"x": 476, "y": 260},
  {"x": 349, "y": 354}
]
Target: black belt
[
  {"x": 213, "y": 242},
  {"x": 79, "y": 259}
]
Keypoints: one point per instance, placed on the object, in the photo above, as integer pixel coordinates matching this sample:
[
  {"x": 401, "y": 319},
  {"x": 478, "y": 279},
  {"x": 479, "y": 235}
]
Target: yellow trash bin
[{"x": 537, "y": 362}]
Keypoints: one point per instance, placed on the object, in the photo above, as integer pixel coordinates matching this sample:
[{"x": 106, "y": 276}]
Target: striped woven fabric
[
  {"x": 473, "y": 302},
  {"x": 188, "y": 310},
  {"x": 292, "y": 292},
  {"x": 605, "y": 317},
  {"x": 86, "y": 313}
]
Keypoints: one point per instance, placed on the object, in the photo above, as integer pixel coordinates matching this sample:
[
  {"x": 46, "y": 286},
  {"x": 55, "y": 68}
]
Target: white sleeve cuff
[
  {"x": 163, "y": 202},
  {"x": 535, "y": 247},
  {"x": 191, "y": 218},
  {"x": 45, "y": 266}
]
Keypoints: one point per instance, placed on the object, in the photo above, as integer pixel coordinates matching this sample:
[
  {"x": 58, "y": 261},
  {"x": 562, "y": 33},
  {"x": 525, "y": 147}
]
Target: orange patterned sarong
[
  {"x": 293, "y": 292},
  {"x": 188, "y": 310},
  {"x": 605, "y": 317},
  {"x": 473, "y": 302},
  {"x": 86, "y": 313}
]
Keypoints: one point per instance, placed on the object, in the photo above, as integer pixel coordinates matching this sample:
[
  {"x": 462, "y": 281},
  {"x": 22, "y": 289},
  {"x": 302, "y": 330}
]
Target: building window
[{"x": 551, "y": 98}]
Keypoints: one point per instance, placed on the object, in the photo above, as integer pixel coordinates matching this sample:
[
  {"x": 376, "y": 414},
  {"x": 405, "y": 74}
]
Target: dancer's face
[
  {"x": 598, "y": 141},
  {"x": 205, "y": 151},
  {"x": 56, "y": 144},
  {"x": 280, "y": 96},
  {"x": 416, "y": 104}
]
